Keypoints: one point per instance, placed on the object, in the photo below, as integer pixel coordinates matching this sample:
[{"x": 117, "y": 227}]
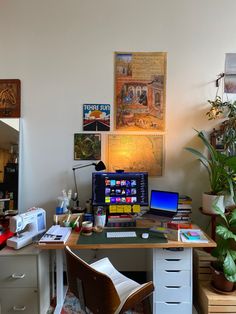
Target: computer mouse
[{"x": 145, "y": 235}]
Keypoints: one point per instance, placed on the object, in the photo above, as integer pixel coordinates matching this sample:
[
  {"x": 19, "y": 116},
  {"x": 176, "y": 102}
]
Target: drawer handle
[
  {"x": 173, "y": 287},
  {"x": 19, "y": 308},
  {"x": 173, "y": 259},
  {"x": 18, "y": 276},
  {"x": 173, "y": 302},
  {"x": 173, "y": 271}
]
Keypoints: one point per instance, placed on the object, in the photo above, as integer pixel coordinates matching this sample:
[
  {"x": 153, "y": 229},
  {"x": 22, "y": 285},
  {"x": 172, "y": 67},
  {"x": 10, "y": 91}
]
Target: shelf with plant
[
  {"x": 221, "y": 171},
  {"x": 227, "y": 111}
]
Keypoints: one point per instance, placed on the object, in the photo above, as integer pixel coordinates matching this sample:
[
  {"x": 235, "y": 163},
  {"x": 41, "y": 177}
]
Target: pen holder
[{"x": 100, "y": 220}]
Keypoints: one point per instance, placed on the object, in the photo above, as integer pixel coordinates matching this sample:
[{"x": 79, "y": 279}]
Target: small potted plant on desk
[
  {"x": 221, "y": 170},
  {"x": 224, "y": 268}
]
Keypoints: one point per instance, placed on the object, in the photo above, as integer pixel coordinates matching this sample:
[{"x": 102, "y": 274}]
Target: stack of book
[
  {"x": 122, "y": 220},
  {"x": 184, "y": 210}
]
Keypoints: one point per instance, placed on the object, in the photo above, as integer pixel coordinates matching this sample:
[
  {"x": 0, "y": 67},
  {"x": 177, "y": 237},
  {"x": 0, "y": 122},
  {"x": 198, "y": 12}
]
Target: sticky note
[
  {"x": 127, "y": 208},
  {"x": 112, "y": 209},
  {"x": 136, "y": 208}
]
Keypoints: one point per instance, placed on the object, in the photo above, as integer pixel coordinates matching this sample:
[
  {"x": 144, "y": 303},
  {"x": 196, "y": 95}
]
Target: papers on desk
[
  {"x": 56, "y": 234},
  {"x": 193, "y": 235}
]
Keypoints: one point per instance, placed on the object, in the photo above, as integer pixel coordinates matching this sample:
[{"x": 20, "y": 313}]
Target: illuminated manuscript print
[
  {"x": 140, "y": 88},
  {"x": 10, "y": 98},
  {"x": 127, "y": 152}
]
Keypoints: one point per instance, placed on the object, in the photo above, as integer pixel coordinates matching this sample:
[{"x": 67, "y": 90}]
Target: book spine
[{"x": 122, "y": 224}]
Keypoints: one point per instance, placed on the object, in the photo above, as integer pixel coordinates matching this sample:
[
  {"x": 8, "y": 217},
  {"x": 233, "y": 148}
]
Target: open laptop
[{"x": 163, "y": 205}]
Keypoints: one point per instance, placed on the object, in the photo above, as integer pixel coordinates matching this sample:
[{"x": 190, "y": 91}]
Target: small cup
[
  {"x": 87, "y": 227},
  {"x": 100, "y": 220}
]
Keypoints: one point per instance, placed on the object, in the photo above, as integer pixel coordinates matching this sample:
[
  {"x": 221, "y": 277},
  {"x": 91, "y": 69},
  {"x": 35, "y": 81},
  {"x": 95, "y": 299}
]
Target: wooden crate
[
  {"x": 201, "y": 272},
  {"x": 201, "y": 266},
  {"x": 211, "y": 302}
]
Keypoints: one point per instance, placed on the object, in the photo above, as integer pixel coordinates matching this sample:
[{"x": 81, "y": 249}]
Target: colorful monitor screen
[{"x": 120, "y": 188}]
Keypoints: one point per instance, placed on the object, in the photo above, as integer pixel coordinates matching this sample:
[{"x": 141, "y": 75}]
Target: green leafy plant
[
  {"x": 228, "y": 126},
  {"x": 225, "y": 252},
  {"x": 221, "y": 168}
]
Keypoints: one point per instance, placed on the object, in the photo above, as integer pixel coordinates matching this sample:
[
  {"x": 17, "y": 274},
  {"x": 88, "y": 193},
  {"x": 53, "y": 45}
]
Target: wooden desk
[{"x": 158, "y": 251}]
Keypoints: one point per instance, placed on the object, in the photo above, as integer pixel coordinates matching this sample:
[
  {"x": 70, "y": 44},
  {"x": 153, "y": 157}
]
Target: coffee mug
[{"x": 87, "y": 227}]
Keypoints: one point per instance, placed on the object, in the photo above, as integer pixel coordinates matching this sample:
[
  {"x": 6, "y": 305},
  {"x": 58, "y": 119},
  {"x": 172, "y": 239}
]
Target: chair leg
[{"x": 146, "y": 306}]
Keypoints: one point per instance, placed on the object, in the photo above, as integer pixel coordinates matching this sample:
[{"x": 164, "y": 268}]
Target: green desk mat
[{"x": 100, "y": 238}]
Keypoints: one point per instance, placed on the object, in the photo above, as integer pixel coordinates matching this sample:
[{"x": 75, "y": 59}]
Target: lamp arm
[{"x": 79, "y": 166}]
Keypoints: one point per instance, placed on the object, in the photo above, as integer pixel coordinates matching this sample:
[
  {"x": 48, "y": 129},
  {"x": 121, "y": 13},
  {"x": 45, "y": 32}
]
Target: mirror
[{"x": 9, "y": 156}]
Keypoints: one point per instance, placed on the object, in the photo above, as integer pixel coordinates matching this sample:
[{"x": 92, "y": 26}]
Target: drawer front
[
  {"x": 172, "y": 308},
  {"x": 15, "y": 300},
  {"x": 20, "y": 271},
  {"x": 172, "y": 294},
  {"x": 173, "y": 253},
  {"x": 173, "y": 263},
  {"x": 174, "y": 277}
]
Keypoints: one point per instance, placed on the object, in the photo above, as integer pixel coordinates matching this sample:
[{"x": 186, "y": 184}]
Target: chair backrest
[{"x": 94, "y": 289}]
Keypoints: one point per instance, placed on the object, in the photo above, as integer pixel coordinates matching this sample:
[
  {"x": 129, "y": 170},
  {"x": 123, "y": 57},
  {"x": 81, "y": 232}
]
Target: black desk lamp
[{"x": 98, "y": 167}]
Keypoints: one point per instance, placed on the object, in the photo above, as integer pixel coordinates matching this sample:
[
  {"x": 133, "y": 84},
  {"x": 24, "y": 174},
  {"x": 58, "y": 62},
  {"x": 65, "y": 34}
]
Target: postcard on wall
[
  {"x": 9, "y": 98},
  {"x": 126, "y": 152},
  {"x": 96, "y": 117},
  {"x": 87, "y": 146},
  {"x": 230, "y": 73},
  {"x": 140, "y": 91}
]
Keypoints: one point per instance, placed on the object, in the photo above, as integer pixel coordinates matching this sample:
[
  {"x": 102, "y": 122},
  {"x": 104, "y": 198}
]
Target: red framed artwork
[{"x": 10, "y": 98}]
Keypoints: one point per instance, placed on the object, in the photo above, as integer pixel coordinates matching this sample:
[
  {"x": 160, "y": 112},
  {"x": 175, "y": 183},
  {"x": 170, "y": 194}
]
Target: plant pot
[
  {"x": 220, "y": 282},
  {"x": 208, "y": 200}
]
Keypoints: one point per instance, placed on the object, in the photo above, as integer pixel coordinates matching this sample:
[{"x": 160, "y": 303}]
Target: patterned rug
[{"x": 72, "y": 306}]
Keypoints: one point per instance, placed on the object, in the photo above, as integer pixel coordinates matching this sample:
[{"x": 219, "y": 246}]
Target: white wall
[{"x": 63, "y": 53}]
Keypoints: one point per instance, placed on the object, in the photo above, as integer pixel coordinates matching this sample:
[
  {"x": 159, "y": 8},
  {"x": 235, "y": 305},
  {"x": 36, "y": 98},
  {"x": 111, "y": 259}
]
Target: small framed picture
[
  {"x": 87, "y": 146},
  {"x": 10, "y": 98},
  {"x": 96, "y": 117}
]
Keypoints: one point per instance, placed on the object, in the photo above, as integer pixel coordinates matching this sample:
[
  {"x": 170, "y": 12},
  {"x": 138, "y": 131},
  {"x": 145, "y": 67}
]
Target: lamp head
[{"x": 100, "y": 166}]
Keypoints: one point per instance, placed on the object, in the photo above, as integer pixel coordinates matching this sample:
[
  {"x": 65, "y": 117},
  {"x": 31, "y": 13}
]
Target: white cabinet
[
  {"x": 172, "y": 275},
  {"x": 24, "y": 281}
]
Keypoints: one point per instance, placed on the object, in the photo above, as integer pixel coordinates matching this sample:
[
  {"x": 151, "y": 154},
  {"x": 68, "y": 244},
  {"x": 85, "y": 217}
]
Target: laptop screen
[{"x": 164, "y": 203}]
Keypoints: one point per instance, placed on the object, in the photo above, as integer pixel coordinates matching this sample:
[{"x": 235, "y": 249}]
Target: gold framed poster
[
  {"x": 10, "y": 98},
  {"x": 136, "y": 153},
  {"x": 140, "y": 91}
]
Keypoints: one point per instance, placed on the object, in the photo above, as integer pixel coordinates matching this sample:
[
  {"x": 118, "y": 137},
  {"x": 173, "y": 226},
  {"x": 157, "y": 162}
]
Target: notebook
[{"x": 163, "y": 204}]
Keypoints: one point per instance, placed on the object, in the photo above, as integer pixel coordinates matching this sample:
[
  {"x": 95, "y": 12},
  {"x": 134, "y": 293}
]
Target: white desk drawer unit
[
  {"x": 24, "y": 281},
  {"x": 172, "y": 273}
]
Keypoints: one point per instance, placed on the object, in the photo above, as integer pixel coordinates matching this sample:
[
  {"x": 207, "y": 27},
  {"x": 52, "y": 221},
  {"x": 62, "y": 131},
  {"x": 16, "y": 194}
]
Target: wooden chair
[{"x": 100, "y": 288}]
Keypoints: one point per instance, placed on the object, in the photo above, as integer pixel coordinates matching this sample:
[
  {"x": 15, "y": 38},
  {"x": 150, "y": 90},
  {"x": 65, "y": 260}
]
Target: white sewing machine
[{"x": 34, "y": 221}]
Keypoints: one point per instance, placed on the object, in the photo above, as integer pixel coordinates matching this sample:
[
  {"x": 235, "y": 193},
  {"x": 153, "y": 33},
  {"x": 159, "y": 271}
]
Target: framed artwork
[
  {"x": 96, "y": 117},
  {"x": 9, "y": 98},
  {"x": 140, "y": 91},
  {"x": 126, "y": 152},
  {"x": 87, "y": 146}
]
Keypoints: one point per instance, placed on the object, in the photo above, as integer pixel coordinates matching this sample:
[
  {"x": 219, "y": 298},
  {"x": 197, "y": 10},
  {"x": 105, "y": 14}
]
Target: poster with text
[
  {"x": 140, "y": 91},
  {"x": 87, "y": 146},
  {"x": 127, "y": 152},
  {"x": 96, "y": 117}
]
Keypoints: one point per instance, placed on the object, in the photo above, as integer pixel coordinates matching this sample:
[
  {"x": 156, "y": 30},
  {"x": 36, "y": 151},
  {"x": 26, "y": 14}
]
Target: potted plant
[
  {"x": 226, "y": 110},
  {"x": 221, "y": 170},
  {"x": 224, "y": 268}
]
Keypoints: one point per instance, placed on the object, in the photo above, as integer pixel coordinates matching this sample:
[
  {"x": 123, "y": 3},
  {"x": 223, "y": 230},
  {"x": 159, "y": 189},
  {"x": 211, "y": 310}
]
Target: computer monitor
[{"x": 119, "y": 188}]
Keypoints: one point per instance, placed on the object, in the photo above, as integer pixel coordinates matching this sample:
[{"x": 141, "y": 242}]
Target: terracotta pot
[{"x": 219, "y": 281}]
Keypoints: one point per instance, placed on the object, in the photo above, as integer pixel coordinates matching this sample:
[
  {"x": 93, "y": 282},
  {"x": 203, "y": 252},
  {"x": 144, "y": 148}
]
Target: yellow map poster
[
  {"x": 140, "y": 91},
  {"x": 136, "y": 153}
]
